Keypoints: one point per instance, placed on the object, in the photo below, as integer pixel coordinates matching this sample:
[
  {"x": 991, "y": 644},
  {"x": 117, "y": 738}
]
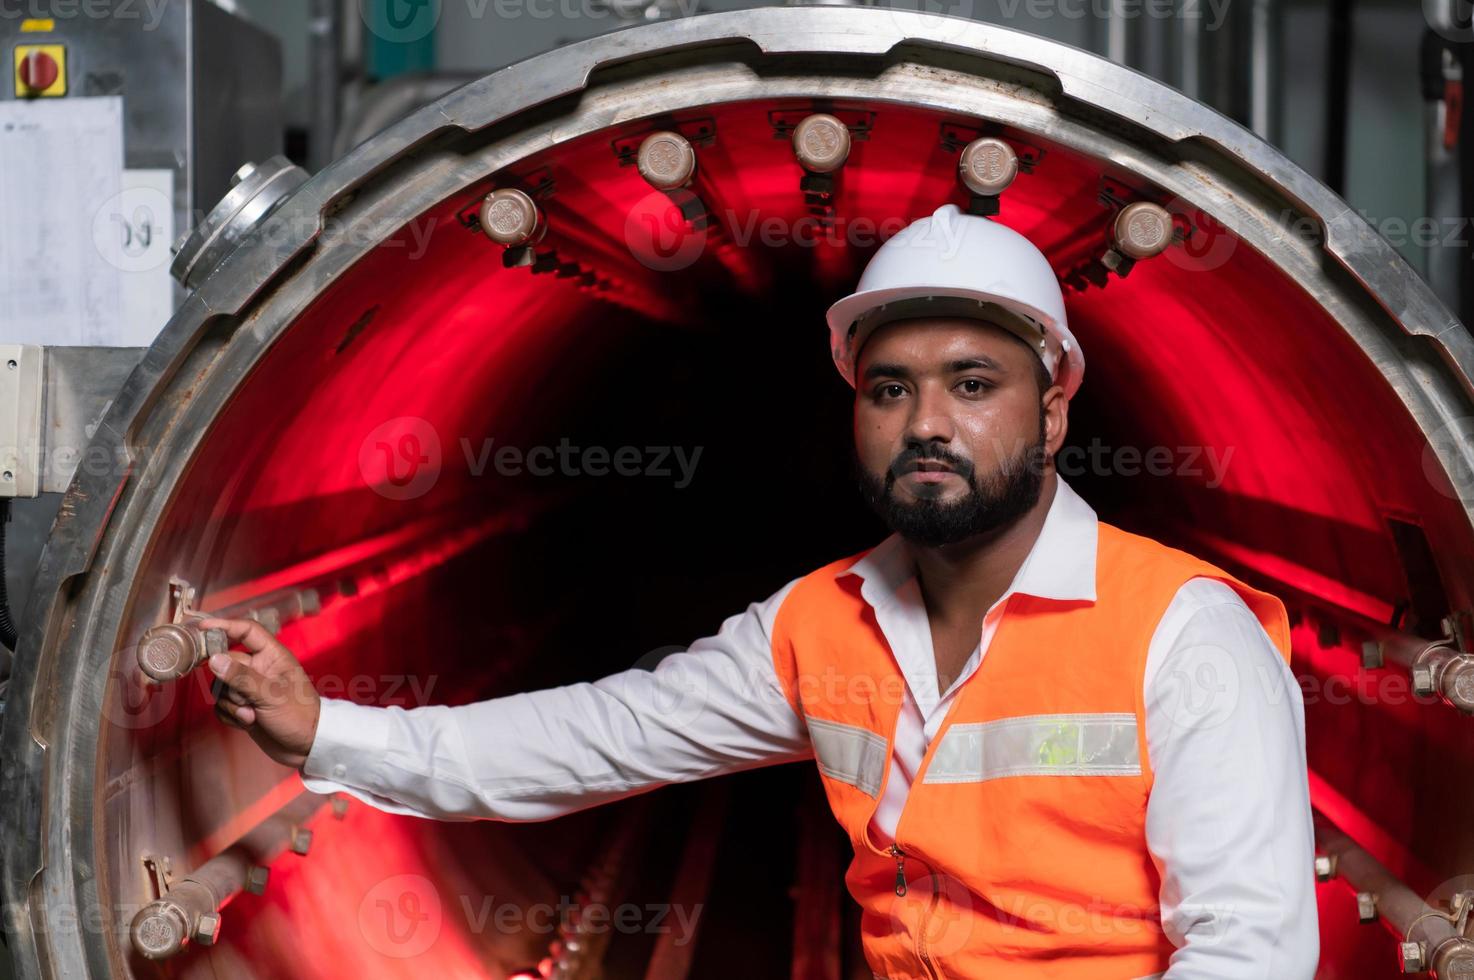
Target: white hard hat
[{"x": 955, "y": 264}]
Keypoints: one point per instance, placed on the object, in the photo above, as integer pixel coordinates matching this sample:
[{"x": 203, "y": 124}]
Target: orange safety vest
[{"x": 1021, "y": 849}]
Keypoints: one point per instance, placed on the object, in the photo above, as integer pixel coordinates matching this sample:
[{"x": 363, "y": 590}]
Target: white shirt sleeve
[
  {"x": 1228, "y": 820},
  {"x": 715, "y": 708}
]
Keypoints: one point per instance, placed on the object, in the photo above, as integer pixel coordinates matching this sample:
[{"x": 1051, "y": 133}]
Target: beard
[{"x": 989, "y": 504}]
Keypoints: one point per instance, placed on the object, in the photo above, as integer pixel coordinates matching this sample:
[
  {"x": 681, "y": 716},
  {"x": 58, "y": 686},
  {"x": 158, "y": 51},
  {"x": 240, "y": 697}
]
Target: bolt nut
[
  {"x": 821, "y": 142},
  {"x": 987, "y": 166},
  {"x": 310, "y": 601},
  {"x": 1325, "y": 867},
  {"x": 1458, "y": 683},
  {"x": 158, "y": 930},
  {"x": 301, "y": 841},
  {"x": 509, "y": 216},
  {"x": 666, "y": 160},
  {"x": 1142, "y": 230},
  {"x": 1412, "y": 957},
  {"x": 1366, "y": 907},
  {"x": 1423, "y": 685},
  {"x": 169, "y": 651},
  {"x": 256, "y": 879},
  {"x": 245, "y": 170},
  {"x": 1371, "y": 654},
  {"x": 1453, "y": 960},
  {"x": 207, "y": 928},
  {"x": 269, "y": 617}
]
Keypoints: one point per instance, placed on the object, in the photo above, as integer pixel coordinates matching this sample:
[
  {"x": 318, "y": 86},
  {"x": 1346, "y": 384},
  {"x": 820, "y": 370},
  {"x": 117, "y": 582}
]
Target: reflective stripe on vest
[
  {"x": 848, "y": 753},
  {"x": 1097, "y": 744}
]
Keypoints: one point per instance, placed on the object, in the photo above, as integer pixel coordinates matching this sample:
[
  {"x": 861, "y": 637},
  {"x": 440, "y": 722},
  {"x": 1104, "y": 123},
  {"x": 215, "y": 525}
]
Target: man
[{"x": 1060, "y": 750}]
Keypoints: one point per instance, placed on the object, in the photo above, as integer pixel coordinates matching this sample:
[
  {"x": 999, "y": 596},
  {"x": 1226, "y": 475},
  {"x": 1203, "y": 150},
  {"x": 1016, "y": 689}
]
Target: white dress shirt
[{"x": 1228, "y": 819}]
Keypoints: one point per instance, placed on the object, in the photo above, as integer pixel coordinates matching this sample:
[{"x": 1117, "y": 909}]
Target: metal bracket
[
  {"x": 699, "y": 132},
  {"x": 181, "y": 601},
  {"x": 160, "y": 871}
]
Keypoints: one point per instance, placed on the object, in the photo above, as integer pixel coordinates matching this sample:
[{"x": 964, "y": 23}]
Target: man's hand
[{"x": 265, "y": 691}]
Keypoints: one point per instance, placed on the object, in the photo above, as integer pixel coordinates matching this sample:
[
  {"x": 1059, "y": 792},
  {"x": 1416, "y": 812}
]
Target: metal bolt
[
  {"x": 301, "y": 841},
  {"x": 987, "y": 166},
  {"x": 1423, "y": 685},
  {"x": 821, "y": 142},
  {"x": 310, "y": 601},
  {"x": 256, "y": 879},
  {"x": 1458, "y": 683},
  {"x": 666, "y": 160},
  {"x": 269, "y": 617},
  {"x": 1142, "y": 230},
  {"x": 1371, "y": 654},
  {"x": 1366, "y": 907},
  {"x": 1325, "y": 867},
  {"x": 169, "y": 651},
  {"x": 158, "y": 930},
  {"x": 1454, "y": 960},
  {"x": 246, "y": 169},
  {"x": 508, "y": 216},
  {"x": 1412, "y": 957},
  {"x": 207, "y": 928}
]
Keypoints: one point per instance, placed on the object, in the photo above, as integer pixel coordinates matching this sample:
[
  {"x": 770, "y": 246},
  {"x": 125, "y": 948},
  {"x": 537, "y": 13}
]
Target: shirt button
[{"x": 339, "y": 771}]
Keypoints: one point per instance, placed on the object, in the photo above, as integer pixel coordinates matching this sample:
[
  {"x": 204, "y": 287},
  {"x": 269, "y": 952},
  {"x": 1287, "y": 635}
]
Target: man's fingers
[
  {"x": 219, "y": 689},
  {"x": 233, "y": 714},
  {"x": 247, "y": 632},
  {"x": 236, "y": 672}
]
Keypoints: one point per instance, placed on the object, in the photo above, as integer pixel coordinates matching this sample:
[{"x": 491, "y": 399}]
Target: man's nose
[{"x": 930, "y": 418}]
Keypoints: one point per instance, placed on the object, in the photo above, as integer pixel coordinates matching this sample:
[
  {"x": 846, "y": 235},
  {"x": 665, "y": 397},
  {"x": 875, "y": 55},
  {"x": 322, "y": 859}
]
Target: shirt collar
[{"x": 1059, "y": 565}]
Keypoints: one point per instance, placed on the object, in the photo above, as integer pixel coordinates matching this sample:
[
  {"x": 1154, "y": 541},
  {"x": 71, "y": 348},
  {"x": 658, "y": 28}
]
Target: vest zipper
[
  {"x": 931, "y": 906},
  {"x": 900, "y": 857}
]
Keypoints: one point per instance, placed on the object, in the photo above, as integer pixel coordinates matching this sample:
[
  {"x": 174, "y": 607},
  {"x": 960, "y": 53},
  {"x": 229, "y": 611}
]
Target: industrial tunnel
[{"x": 311, "y": 441}]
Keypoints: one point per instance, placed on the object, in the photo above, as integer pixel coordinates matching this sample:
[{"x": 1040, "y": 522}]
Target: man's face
[{"x": 952, "y": 432}]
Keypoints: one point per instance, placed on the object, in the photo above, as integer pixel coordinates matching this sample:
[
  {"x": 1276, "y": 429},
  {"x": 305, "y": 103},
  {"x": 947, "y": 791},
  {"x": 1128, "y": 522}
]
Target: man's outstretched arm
[{"x": 714, "y": 708}]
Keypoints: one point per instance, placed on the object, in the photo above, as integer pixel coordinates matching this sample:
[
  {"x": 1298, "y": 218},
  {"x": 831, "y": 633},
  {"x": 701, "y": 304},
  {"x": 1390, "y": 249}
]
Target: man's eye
[
  {"x": 890, "y": 391},
  {"x": 974, "y": 386}
]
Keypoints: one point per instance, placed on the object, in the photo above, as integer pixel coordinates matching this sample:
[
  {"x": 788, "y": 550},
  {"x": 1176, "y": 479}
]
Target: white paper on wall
[{"x": 61, "y": 167}]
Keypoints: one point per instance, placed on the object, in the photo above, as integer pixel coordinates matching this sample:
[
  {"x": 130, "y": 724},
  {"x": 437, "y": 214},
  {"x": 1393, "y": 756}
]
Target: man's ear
[{"x": 1056, "y": 418}]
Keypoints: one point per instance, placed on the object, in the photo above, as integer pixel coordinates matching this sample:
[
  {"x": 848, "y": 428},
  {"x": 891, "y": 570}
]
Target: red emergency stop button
[{"x": 39, "y": 70}]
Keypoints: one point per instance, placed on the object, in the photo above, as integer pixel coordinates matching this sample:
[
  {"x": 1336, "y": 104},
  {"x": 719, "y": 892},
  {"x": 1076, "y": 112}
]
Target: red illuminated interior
[{"x": 473, "y": 585}]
